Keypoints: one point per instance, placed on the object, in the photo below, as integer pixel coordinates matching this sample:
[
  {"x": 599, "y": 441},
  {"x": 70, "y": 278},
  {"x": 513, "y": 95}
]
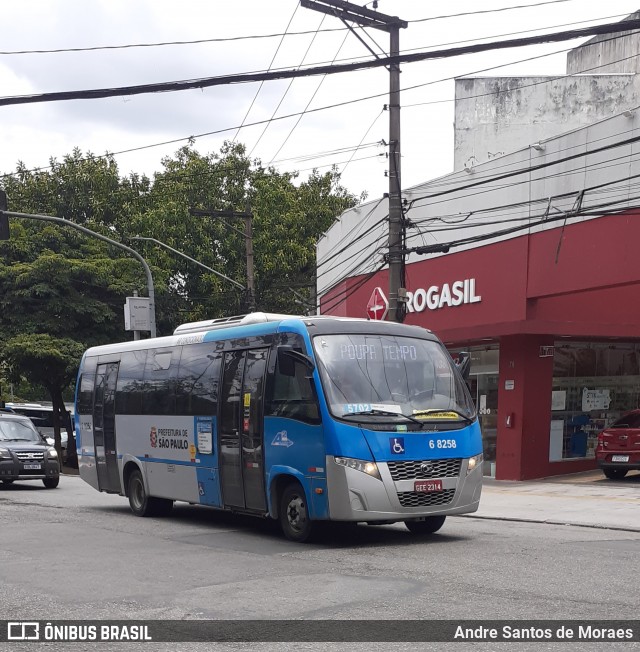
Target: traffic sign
[{"x": 378, "y": 306}]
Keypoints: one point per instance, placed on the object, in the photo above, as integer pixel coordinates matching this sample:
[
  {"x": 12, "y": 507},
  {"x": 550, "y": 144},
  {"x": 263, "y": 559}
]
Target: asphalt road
[{"x": 73, "y": 553}]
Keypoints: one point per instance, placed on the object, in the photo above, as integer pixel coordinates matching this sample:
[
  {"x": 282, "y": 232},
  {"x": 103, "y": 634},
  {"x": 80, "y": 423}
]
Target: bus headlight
[
  {"x": 474, "y": 461},
  {"x": 370, "y": 468}
]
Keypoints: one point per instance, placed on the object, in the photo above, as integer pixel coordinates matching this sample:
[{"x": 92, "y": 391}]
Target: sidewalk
[{"x": 583, "y": 499}]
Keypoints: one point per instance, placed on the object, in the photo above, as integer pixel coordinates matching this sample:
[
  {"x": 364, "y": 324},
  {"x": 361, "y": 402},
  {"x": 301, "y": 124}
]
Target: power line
[
  {"x": 344, "y": 103},
  {"x": 284, "y": 142},
  {"x": 249, "y": 37},
  {"x": 224, "y": 80},
  {"x": 532, "y": 168},
  {"x": 287, "y": 90},
  {"x": 255, "y": 97},
  {"x": 337, "y": 301},
  {"x": 488, "y": 11}
]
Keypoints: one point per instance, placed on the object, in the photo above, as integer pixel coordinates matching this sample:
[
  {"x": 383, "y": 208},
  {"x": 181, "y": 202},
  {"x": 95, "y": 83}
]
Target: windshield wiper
[
  {"x": 384, "y": 413},
  {"x": 436, "y": 411},
  {"x": 17, "y": 439}
]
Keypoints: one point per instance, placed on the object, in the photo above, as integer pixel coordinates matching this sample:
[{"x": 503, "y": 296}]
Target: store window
[
  {"x": 593, "y": 385},
  {"x": 483, "y": 385}
]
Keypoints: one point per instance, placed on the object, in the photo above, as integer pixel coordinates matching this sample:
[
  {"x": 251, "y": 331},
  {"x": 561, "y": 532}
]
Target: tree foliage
[
  {"x": 49, "y": 362},
  {"x": 66, "y": 290}
]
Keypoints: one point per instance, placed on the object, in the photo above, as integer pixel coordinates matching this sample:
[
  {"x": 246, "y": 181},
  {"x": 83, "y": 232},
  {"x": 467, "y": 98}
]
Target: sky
[{"x": 34, "y": 133}]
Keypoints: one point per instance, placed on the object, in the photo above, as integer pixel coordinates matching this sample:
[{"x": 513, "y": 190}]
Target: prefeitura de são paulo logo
[{"x": 153, "y": 436}]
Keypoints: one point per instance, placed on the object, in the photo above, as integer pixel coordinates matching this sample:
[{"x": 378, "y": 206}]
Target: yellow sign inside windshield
[{"x": 433, "y": 414}]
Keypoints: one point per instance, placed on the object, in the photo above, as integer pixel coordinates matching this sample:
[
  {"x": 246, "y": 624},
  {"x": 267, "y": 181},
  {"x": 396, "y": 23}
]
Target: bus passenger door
[
  {"x": 229, "y": 430},
  {"x": 252, "y": 429},
  {"x": 241, "y": 431},
  {"x": 104, "y": 428}
]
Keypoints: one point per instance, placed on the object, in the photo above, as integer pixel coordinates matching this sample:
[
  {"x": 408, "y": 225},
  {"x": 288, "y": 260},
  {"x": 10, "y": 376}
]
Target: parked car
[
  {"x": 618, "y": 449},
  {"x": 42, "y": 417},
  {"x": 24, "y": 453}
]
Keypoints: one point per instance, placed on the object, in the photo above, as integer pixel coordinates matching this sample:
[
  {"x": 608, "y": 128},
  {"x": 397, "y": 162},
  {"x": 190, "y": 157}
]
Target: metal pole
[
  {"x": 396, "y": 257},
  {"x": 133, "y": 252},
  {"x": 248, "y": 237},
  {"x": 251, "y": 293},
  {"x": 136, "y": 334},
  {"x": 193, "y": 260},
  {"x": 348, "y": 11}
]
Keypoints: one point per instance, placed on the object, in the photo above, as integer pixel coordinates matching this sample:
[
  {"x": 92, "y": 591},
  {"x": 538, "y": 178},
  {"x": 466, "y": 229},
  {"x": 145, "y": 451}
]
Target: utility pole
[
  {"x": 347, "y": 11},
  {"x": 248, "y": 239}
]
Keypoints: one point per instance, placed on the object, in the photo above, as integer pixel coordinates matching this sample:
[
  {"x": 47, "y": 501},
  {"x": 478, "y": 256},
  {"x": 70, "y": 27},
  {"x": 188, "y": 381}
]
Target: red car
[{"x": 618, "y": 449}]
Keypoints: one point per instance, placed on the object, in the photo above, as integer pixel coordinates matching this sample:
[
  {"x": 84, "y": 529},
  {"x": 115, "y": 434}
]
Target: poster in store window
[
  {"x": 595, "y": 399},
  {"x": 556, "y": 435},
  {"x": 559, "y": 400}
]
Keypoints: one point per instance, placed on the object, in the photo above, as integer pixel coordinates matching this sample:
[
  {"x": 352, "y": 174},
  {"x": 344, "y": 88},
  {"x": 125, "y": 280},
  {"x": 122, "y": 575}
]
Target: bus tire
[
  {"x": 141, "y": 504},
  {"x": 427, "y": 525},
  {"x": 294, "y": 515}
]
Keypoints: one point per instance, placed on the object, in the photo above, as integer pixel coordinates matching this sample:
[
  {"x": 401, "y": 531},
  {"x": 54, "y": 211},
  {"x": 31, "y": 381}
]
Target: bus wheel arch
[
  {"x": 276, "y": 489},
  {"x": 141, "y": 503},
  {"x": 129, "y": 468}
]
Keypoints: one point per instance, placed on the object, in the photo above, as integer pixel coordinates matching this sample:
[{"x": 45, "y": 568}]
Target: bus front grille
[
  {"x": 424, "y": 469},
  {"x": 413, "y": 499}
]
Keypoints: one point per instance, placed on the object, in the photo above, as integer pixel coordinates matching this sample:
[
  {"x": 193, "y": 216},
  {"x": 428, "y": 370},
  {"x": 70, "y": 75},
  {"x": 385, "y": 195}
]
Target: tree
[
  {"x": 52, "y": 363},
  {"x": 60, "y": 284}
]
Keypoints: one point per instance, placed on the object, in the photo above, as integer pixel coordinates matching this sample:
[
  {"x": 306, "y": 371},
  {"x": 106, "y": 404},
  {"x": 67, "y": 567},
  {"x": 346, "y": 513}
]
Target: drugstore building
[{"x": 541, "y": 284}]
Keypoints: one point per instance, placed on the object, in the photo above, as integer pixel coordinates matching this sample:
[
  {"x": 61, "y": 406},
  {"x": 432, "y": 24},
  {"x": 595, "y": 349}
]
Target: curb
[{"x": 595, "y": 526}]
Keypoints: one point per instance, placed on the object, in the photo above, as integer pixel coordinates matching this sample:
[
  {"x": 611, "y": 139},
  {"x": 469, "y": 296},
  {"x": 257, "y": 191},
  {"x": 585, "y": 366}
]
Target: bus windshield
[{"x": 387, "y": 375}]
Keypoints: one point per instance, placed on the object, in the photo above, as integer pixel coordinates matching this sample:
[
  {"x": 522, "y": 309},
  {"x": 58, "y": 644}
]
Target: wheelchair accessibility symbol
[{"x": 397, "y": 445}]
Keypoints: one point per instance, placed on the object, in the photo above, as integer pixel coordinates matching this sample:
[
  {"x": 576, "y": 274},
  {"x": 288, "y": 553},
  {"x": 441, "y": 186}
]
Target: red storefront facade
[{"x": 554, "y": 303}]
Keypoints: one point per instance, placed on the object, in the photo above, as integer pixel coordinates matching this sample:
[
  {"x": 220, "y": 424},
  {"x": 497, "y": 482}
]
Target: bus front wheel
[
  {"x": 427, "y": 525},
  {"x": 294, "y": 515},
  {"x": 143, "y": 504}
]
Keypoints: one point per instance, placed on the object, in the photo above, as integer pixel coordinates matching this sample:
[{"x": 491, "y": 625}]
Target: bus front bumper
[{"x": 357, "y": 496}]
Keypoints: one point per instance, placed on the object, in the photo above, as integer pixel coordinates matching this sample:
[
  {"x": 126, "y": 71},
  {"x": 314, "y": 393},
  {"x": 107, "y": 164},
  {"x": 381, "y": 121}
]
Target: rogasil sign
[{"x": 439, "y": 296}]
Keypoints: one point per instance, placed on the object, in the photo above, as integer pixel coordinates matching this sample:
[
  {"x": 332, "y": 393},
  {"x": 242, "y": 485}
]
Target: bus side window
[
  {"x": 198, "y": 380},
  {"x": 160, "y": 371},
  {"x": 129, "y": 386},
  {"x": 85, "y": 398},
  {"x": 293, "y": 397}
]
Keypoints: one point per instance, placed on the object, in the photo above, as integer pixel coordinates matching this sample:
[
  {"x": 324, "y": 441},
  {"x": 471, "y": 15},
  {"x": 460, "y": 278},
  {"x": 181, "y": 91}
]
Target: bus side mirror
[{"x": 287, "y": 358}]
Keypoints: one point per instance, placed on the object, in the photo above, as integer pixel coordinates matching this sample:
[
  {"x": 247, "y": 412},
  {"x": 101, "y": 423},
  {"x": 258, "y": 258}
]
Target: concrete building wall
[
  {"x": 604, "y": 54},
  {"x": 496, "y": 115},
  {"x": 496, "y": 195}
]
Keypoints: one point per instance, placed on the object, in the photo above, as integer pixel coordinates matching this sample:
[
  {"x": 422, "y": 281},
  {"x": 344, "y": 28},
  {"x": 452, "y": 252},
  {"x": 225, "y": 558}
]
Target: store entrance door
[{"x": 484, "y": 390}]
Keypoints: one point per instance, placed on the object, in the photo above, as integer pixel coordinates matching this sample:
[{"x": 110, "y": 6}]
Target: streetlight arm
[
  {"x": 115, "y": 243},
  {"x": 193, "y": 260}
]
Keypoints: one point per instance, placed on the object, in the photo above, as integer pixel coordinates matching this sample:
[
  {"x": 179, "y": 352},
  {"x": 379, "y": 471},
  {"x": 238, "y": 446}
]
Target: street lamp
[
  {"x": 115, "y": 243},
  {"x": 193, "y": 260}
]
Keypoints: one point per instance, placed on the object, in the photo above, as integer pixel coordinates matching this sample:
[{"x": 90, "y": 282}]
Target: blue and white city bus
[{"x": 300, "y": 419}]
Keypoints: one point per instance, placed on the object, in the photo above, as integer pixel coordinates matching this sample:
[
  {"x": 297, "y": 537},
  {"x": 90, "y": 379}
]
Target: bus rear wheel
[
  {"x": 294, "y": 515},
  {"x": 142, "y": 504},
  {"x": 427, "y": 525}
]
